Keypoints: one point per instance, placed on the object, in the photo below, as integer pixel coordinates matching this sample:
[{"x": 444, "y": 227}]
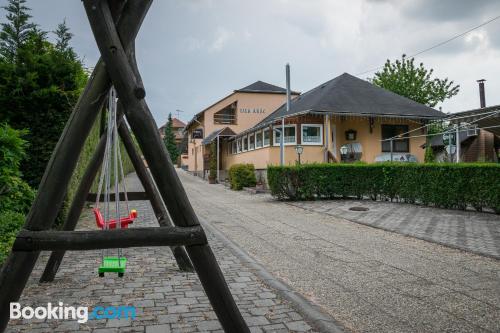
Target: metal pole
[
  {"x": 327, "y": 143},
  {"x": 457, "y": 143},
  {"x": 288, "y": 102},
  {"x": 392, "y": 149},
  {"x": 217, "y": 159},
  {"x": 450, "y": 158}
]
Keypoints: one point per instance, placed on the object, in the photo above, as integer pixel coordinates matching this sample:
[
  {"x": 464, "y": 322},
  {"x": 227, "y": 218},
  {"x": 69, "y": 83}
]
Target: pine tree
[
  {"x": 16, "y": 32},
  {"x": 39, "y": 85},
  {"x": 169, "y": 140},
  {"x": 63, "y": 37}
]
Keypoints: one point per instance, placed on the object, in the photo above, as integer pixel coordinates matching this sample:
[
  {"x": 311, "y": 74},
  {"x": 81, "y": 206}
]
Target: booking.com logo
[{"x": 80, "y": 313}]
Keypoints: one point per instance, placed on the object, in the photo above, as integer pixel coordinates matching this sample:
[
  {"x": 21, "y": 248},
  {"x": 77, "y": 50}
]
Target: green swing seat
[{"x": 113, "y": 265}]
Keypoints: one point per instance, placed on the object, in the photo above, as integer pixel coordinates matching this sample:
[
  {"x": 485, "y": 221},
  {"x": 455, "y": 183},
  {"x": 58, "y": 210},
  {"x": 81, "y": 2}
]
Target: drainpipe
[
  {"x": 327, "y": 130},
  {"x": 217, "y": 159},
  {"x": 457, "y": 143}
]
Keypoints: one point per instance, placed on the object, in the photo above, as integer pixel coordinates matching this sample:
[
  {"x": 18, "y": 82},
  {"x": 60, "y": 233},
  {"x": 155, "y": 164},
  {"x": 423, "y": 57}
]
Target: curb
[{"x": 312, "y": 313}]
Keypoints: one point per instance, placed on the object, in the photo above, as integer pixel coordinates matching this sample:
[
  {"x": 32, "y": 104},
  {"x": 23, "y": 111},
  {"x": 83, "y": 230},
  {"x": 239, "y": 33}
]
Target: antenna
[{"x": 179, "y": 113}]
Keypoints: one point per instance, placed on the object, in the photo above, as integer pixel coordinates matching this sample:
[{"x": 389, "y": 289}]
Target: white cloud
[{"x": 222, "y": 37}]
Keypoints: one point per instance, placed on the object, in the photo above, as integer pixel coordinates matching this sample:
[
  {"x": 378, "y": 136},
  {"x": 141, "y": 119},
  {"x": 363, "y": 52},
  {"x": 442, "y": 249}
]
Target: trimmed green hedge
[
  {"x": 242, "y": 175},
  {"x": 435, "y": 184}
]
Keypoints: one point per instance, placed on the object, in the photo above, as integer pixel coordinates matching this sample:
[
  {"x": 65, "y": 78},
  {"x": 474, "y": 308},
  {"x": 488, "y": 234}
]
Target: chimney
[{"x": 482, "y": 98}]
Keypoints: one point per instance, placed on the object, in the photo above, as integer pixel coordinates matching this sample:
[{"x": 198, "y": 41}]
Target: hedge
[
  {"x": 242, "y": 175},
  {"x": 435, "y": 184}
]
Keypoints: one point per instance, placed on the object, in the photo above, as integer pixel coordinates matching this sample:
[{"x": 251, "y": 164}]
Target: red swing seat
[{"x": 124, "y": 221}]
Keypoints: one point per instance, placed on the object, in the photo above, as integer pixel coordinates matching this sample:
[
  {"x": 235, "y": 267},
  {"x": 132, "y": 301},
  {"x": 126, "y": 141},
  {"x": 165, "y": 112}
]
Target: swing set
[
  {"x": 115, "y": 24},
  {"x": 112, "y": 172}
]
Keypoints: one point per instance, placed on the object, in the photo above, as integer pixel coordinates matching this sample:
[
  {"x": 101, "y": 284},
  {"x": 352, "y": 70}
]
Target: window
[
  {"x": 245, "y": 143},
  {"x": 399, "y": 145},
  {"x": 238, "y": 145},
  {"x": 251, "y": 141},
  {"x": 258, "y": 139},
  {"x": 266, "y": 134},
  {"x": 233, "y": 147},
  {"x": 312, "y": 134},
  {"x": 226, "y": 116},
  {"x": 290, "y": 137},
  {"x": 197, "y": 134}
]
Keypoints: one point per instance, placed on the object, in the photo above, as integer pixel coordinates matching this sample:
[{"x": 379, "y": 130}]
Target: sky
[{"x": 192, "y": 53}]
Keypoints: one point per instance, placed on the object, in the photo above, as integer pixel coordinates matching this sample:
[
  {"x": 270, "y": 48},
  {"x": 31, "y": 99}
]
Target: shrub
[
  {"x": 441, "y": 185},
  {"x": 242, "y": 175},
  {"x": 213, "y": 162},
  {"x": 10, "y": 224},
  {"x": 15, "y": 194}
]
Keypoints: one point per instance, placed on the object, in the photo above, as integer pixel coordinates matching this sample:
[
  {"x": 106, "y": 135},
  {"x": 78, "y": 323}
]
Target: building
[
  {"x": 178, "y": 127},
  {"x": 479, "y": 134},
  {"x": 235, "y": 113},
  {"x": 343, "y": 120}
]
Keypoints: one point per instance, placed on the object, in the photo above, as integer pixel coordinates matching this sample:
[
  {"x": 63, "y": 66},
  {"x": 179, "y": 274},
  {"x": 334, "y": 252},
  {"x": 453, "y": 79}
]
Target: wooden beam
[
  {"x": 180, "y": 254},
  {"x": 132, "y": 196},
  {"x": 54, "y": 240},
  {"x": 77, "y": 205},
  {"x": 121, "y": 70},
  {"x": 50, "y": 195}
]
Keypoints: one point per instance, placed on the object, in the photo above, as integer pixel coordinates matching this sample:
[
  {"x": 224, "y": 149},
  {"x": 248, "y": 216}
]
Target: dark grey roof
[
  {"x": 347, "y": 94},
  {"x": 263, "y": 87},
  {"x": 222, "y": 132}
]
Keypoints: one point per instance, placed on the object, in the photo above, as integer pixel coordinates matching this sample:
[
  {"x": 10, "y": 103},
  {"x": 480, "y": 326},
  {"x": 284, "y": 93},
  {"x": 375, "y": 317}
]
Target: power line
[{"x": 439, "y": 44}]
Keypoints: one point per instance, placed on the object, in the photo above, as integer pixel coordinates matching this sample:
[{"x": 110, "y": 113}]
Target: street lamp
[{"x": 299, "y": 149}]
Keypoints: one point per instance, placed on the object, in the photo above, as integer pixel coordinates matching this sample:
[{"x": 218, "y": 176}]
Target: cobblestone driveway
[
  {"x": 466, "y": 230},
  {"x": 166, "y": 299},
  {"x": 368, "y": 279}
]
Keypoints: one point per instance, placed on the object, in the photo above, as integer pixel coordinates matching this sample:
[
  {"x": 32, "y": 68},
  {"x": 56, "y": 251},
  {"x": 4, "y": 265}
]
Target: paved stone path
[
  {"x": 466, "y": 230},
  {"x": 368, "y": 279},
  {"x": 166, "y": 299}
]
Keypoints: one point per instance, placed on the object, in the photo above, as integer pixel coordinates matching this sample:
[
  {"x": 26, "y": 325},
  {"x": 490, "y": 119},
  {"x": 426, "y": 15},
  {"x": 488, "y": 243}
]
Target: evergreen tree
[
  {"x": 16, "y": 32},
  {"x": 39, "y": 85},
  {"x": 63, "y": 37},
  {"x": 169, "y": 140}
]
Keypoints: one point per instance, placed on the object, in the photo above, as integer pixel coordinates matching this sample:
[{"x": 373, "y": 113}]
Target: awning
[
  {"x": 223, "y": 132},
  {"x": 485, "y": 118}
]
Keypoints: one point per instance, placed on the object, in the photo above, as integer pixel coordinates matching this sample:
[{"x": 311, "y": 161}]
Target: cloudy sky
[{"x": 193, "y": 52}]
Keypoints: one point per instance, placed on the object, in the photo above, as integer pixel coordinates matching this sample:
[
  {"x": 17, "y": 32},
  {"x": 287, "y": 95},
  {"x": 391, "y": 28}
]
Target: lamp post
[{"x": 299, "y": 149}]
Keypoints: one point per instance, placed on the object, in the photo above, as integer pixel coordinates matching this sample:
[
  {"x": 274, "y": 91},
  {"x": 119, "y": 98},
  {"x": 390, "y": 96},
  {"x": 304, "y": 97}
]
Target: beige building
[
  {"x": 239, "y": 111},
  {"x": 343, "y": 120}
]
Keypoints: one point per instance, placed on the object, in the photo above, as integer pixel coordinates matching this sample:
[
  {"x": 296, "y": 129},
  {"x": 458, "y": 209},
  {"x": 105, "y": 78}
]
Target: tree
[
  {"x": 63, "y": 37},
  {"x": 39, "y": 85},
  {"x": 16, "y": 32},
  {"x": 404, "y": 78},
  {"x": 169, "y": 140}
]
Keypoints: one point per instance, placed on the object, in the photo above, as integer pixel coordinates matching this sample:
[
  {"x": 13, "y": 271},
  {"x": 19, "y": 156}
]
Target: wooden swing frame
[{"x": 115, "y": 24}]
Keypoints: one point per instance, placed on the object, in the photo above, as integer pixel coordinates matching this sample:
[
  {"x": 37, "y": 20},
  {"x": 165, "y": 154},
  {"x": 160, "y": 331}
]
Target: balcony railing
[{"x": 229, "y": 119}]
